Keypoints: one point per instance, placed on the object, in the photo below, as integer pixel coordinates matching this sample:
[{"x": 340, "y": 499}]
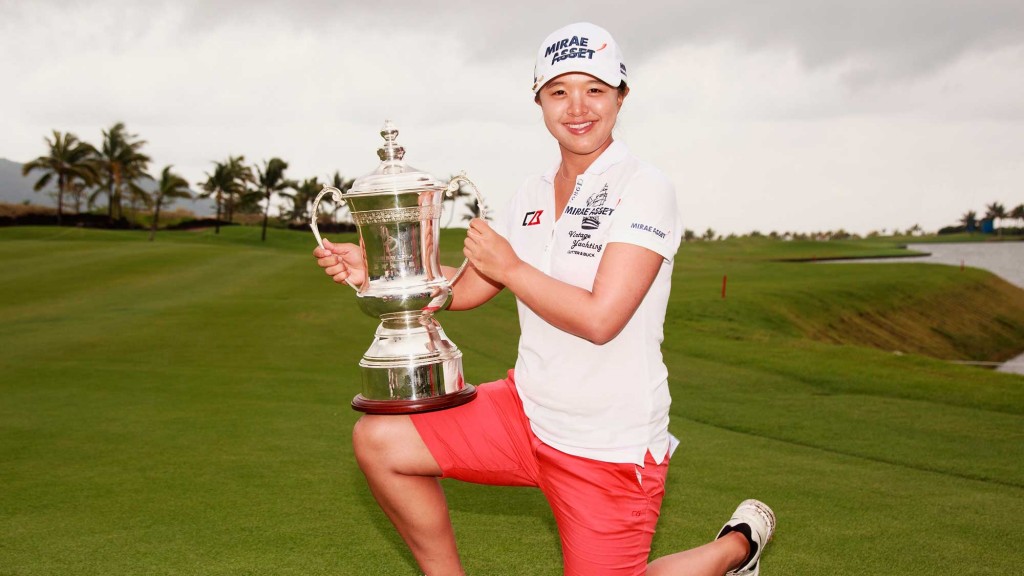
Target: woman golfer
[{"x": 587, "y": 249}]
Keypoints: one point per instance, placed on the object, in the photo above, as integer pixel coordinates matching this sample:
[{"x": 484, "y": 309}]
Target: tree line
[
  {"x": 995, "y": 212},
  {"x": 114, "y": 171}
]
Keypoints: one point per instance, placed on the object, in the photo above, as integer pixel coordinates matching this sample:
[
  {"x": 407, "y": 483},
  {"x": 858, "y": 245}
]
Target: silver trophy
[{"x": 411, "y": 366}]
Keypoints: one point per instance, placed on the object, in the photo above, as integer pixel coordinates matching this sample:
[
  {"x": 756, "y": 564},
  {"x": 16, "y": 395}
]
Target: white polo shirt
[{"x": 607, "y": 402}]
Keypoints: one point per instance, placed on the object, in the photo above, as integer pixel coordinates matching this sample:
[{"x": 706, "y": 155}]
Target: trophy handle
[
  {"x": 336, "y": 196},
  {"x": 450, "y": 192}
]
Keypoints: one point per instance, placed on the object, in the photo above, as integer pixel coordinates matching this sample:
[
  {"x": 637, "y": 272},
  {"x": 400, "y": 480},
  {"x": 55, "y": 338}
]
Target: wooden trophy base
[{"x": 452, "y": 400}]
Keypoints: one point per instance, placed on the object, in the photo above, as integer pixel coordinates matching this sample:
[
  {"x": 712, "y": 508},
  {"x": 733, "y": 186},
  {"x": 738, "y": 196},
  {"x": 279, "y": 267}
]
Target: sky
[{"x": 781, "y": 115}]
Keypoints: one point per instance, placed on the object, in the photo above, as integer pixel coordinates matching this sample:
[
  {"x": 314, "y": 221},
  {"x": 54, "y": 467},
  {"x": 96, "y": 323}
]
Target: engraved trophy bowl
[{"x": 411, "y": 366}]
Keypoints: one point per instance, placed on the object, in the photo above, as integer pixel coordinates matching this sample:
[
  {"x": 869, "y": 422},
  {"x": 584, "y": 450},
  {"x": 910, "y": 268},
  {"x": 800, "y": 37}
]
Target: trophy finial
[{"x": 390, "y": 150}]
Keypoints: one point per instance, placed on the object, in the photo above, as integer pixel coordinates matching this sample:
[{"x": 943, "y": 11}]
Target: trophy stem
[
  {"x": 411, "y": 367},
  {"x": 407, "y": 319}
]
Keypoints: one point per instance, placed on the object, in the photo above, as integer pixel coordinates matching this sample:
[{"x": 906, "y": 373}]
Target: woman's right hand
[{"x": 342, "y": 262}]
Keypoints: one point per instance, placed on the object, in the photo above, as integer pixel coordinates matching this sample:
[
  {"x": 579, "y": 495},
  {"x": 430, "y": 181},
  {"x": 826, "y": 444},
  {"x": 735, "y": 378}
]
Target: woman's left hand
[{"x": 489, "y": 252}]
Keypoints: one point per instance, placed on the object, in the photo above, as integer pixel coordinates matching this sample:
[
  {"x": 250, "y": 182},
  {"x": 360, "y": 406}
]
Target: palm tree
[
  {"x": 69, "y": 159},
  {"x": 241, "y": 177},
  {"x": 1018, "y": 213},
  {"x": 475, "y": 208},
  {"x": 170, "y": 187},
  {"x": 228, "y": 181},
  {"x": 122, "y": 162},
  {"x": 77, "y": 191},
  {"x": 970, "y": 220},
  {"x": 137, "y": 195},
  {"x": 270, "y": 180},
  {"x": 474, "y": 211},
  {"x": 216, "y": 186},
  {"x": 303, "y": 198},
  {"x": 996, "y": 212}
]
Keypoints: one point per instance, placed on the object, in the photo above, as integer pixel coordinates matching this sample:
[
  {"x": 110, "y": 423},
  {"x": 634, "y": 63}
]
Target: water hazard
[{"x": 1004, "y": 259}]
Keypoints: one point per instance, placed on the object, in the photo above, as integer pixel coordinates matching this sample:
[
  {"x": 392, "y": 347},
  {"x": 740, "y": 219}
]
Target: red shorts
[{"x": 606, "y": 512}]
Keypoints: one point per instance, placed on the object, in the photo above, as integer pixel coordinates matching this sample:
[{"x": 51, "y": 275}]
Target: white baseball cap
[{"x": 580, "y": 47}]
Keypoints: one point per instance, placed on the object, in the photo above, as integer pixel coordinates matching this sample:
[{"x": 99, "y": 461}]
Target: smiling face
[{"x": 580, "y": 112}]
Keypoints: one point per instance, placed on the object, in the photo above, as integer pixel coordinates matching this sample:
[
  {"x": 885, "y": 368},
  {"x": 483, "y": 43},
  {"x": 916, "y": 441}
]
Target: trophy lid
[{"x": 393, "y": 175}]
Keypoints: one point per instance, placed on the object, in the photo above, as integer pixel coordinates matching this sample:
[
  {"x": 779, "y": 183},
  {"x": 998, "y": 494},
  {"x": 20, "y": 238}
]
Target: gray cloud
[
  {"x": 888, "y": 38},
  {"x": 876, "y": 41},
  {"x": 884, "y": 39},
  {"x": 779, "y": 107}
]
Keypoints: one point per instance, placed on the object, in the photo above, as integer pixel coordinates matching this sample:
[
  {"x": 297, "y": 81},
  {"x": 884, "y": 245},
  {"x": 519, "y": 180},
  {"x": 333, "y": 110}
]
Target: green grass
[{"x": 181, "y": 407}]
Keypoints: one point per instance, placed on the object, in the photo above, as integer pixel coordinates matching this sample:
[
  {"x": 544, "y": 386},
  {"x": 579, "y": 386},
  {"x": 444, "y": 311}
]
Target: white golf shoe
[{"x": 755, "y": 520}]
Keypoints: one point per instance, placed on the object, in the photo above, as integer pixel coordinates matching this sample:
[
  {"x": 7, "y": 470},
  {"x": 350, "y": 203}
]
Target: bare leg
[
  {"x": 712, "y": 559},
  {"x": 402, "y": 475}
]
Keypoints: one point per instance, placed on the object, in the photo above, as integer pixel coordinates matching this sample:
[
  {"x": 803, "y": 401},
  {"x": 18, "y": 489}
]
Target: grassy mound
[
  {"x": 181, "y": 407},
  {"x": 900, "y": 307},
  {"x": 955, "y": 321}
]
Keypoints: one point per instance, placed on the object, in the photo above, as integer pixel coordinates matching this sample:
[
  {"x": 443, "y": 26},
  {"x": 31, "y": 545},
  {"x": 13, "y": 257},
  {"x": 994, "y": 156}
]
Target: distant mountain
[{"x": 17, "y": 189}]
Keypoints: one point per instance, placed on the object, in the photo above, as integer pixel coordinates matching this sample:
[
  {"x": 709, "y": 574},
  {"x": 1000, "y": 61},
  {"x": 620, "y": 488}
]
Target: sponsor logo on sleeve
[{"x": 648, "y": 228}]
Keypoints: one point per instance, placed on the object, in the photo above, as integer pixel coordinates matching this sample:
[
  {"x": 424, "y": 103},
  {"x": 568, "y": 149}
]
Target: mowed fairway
[{"x": 182, "y": 407}]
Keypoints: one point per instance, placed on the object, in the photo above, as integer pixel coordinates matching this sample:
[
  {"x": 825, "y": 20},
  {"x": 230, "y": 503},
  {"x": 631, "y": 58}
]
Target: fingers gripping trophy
[{"x": 411, "y": 366}]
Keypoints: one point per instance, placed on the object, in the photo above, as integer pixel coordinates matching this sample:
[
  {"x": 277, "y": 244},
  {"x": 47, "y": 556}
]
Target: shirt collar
[{"x": 615, "y": 153}]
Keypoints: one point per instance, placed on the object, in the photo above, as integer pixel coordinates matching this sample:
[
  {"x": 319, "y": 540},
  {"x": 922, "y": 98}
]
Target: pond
[{"x": 1004, "y": 259}]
